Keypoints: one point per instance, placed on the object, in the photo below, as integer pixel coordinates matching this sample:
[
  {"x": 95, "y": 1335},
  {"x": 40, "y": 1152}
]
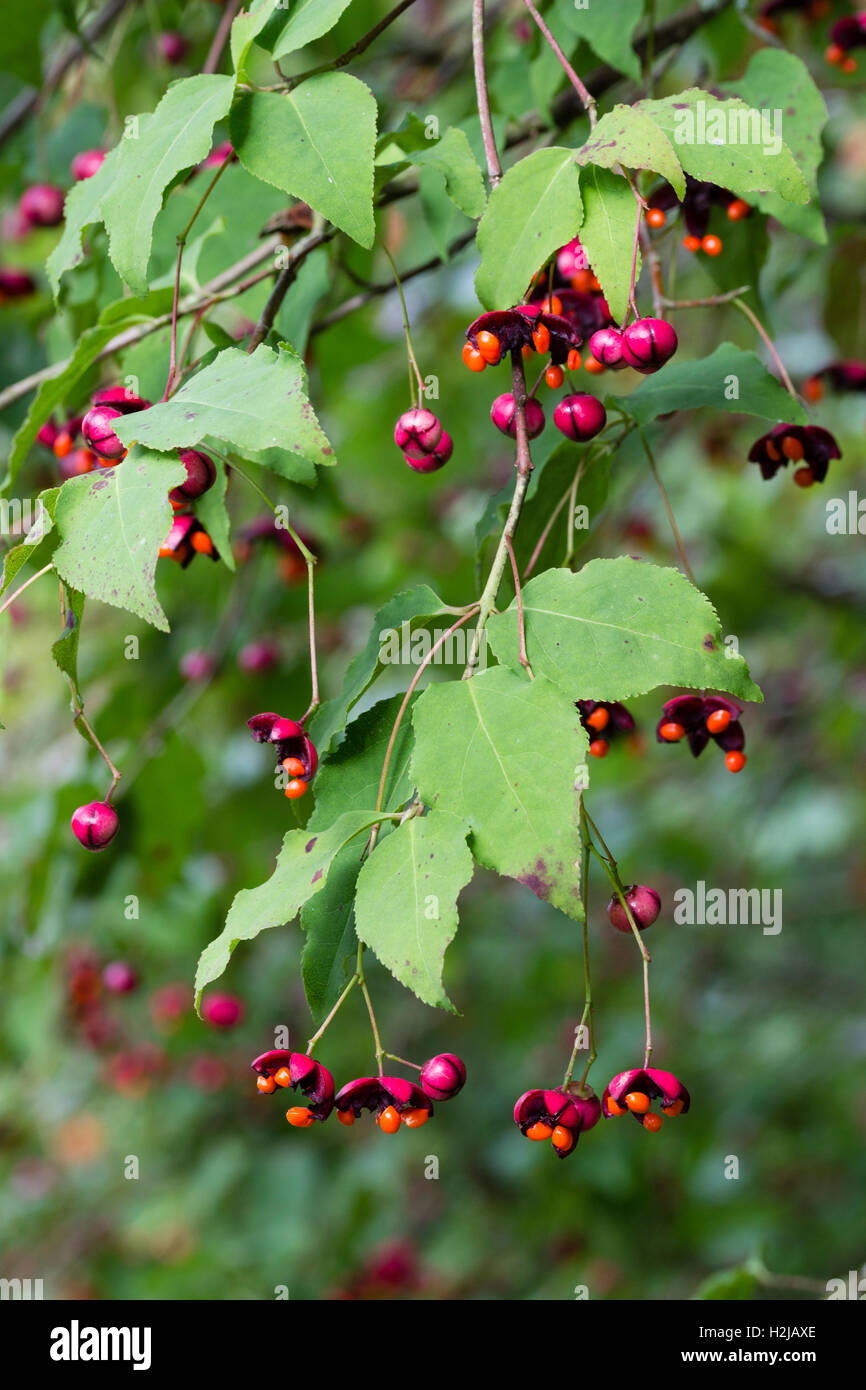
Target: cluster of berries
[
  {"x": 841, "y": 376},
  {"x": 295, "y": 752},
  {"x": 187, "y": 537},
  {"x": 555, "y": 327},
  {"x": 604, "y": 720},
  {"x": 846, "y": 34},
  {"x": 697, "y": 205},
  {"x": 394, "y": 1100},
  {"x": 699, "y": 719},
  {"x": 809, "y": 445},
  {"x": 425, "y": 445},
  {"x": 562, "y": 1115}
]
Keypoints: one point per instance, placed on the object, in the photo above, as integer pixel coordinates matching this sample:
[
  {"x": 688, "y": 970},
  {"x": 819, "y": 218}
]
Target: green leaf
[
  {"x": 501, "y": 753},
  {"x": 302, "y": 869},
  {"x": 21, "y": 51},
  {"x": 451, "y": 155},
  {"x": 535, "y": 209},
  {"x": 406, "y": 902},
  {"x": 315, "y": 142},
  {"x": 65, "y": 649},
  {"x": 729, "y": 379},
  {"x": 246, "y": 28},
  {"x": 401, "y": 615},
  {"x": 213, "y": 514},
  {"x": 307, "y": 20},
  {"x": 728, "y": 1284},
  {"x": 607, "y": 28},
  {"x": 331, "y": 946},
  {"x": 723, "y": 142},
  {"x": 41, "y": 525},
  {"x": 55, "y": 391},
  {"x": 349, "y": 777},
  {"x": 552, "y": 479},
  {"x": 127, "y": 191},
  {"x": 555, "y": 479},
  {"x": 629, "y": 137},
  {"x": 776, "y": 80},
  {"x": 619, "y": 628},
  {"x": 607, "y": 234},
  {"x": 252, "y": 403},
  {"x": 112, "y": 523},
  {"x": 83, "y": 208}
]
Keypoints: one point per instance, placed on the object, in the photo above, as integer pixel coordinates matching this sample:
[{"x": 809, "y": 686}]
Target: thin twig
[
  {"x": 297, "y": 254},
  {"x": 376, "y": 291},
  {"x": 768, "y": 343},
  {"x": 368, "y": 1001},
  {"x": 220, "y": 38},
  {"x": 355, "y": 51},
  {"x": 422, "y": 666},
  {"x": 668, "y": 508},
  {"x": 709, "y": 303},
  {"x": 7, "y": 603},
  {"x": 216, "y": 291},
  {"x": 586, "y": 97},
  {"x": 482, "y": 95},
  {"x": 319, "y": 1033},
  {"x": 524, "y": 473},
  {"x": 520, "y": 624},
  {"x": 24, "y": 105}
]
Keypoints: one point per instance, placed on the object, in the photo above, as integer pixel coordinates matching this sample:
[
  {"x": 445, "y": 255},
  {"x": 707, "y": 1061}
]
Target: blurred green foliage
[{"x": 767, "y": 1031}]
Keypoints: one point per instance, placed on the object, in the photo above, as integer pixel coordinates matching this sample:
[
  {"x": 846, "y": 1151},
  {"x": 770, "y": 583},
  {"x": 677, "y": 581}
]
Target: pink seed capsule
[
  {"x": 606, "y": 347},
  {"x": 648, "y": 344},
  {"x": 94, "y": 825},
  {"x": 97, "y": 428},
  {"x": 200, "y": 475},
  {"x": 503, "y": 413},
  {"x": 436, "y": 459},
  {"x": 580, "y": 417},
  {"x": 645, "y": 905},
  {"x": 42, "y": 205},
  {"x": 417, "y": 431}
]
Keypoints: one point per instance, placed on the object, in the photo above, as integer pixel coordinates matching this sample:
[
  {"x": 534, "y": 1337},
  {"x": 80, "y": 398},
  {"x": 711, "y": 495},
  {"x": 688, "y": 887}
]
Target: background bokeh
[{"x": 767, "y": 1031}]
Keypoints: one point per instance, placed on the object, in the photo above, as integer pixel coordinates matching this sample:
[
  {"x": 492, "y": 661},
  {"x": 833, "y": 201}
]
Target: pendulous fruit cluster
[
  {"x": 845, "y": 34},
  {"x": 603, "y": 721},
  {"x": 425, "y": 445},
  {"x": 809, "y": 445},
  {"x": 395, "y": 1101},
  {"x": 700, "y": 718},
  {"x": 558, "y": 1115},
  {"x": 697, "y": 205},
  {"x": 645, "y": 345},
  {"x": 295, "y": 752},
  {"x": 632, "y": 1092}
]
